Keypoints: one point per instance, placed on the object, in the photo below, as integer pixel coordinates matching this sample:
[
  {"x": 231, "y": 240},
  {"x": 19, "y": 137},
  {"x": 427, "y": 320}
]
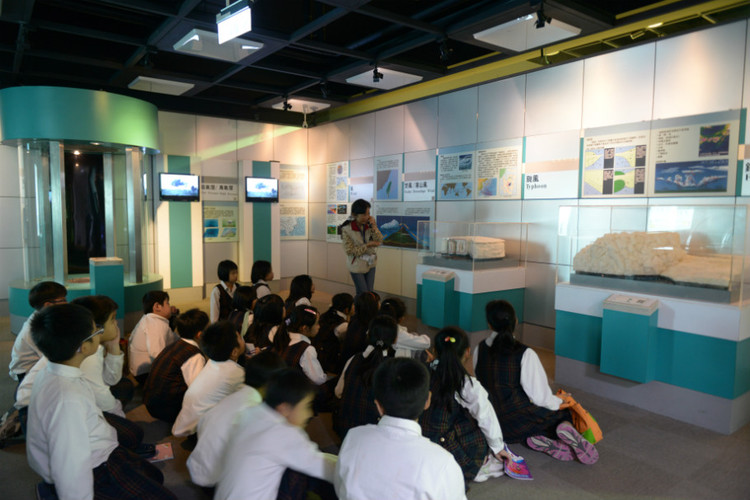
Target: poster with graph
[{"x": 614, "y": 162}]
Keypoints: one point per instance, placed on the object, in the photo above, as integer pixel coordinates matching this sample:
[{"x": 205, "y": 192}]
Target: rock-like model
[{"x": 476, "y": 247}]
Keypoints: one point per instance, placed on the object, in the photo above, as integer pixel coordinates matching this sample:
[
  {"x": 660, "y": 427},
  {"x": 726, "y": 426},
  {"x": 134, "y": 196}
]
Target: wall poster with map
[
  {"x": 398, "y": 222},
  {"x": 293, "y": 220},
  {"x": 615, "y": 162},
  {"x": 388, "y": 177},
  {"x": 498, "y": 168},
  {"x": 455, "y": 173}
]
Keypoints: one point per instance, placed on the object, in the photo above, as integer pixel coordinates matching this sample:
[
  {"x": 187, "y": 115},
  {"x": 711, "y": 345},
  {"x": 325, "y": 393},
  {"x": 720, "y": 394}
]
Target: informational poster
[
  {"x": 293, "y": 182},
  {"x": 420, "y": 189},
  {"x": 455, "y": 173},
  {"x": 336, "y": 214},
  {"x": 293, "y": 220},
  {"x": 219, "y": 189},
  {"x": 551, "y": 179},
  {"x": 745, "y": 178},
  {"x": 498, "y": 171},
  {"x": 614, "y": 164},
  {"x": 220, "y": 223},
  {"x": 695, "y": 155},
  {"x": 398, "y": 222},
  {"x": 360, "y": 191},
  {"x": 388, "y": 177},
  {"x": 338, "y": 182}
]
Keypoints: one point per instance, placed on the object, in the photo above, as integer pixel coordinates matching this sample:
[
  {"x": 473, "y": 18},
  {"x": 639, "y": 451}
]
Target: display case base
[{"x": 655, "y": 286}]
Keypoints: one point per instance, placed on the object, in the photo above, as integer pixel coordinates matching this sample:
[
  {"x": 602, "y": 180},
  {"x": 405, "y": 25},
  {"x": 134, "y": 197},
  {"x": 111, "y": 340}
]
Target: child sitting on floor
[
  {"x": 270, "y": 456},
  {"x": 267, "y": 316},
  {"x": 219, "y": 378},
  {"x": 260, "y": 275},
  {"x": 333, "y": 324},
  {"x": 366, "y": 306},
  {"x": 301, "y": 290},
  {"x": 70, "y": 444},
  {"x": 151, "y": 335},
  {"x": 217, "y": 427},
  {"x": 223, "y": 292},
  {"x": 392, "y": 459},
  {"x": 292, "y": 342},
  {"x": 407, "y": 345},
  {"x": 175, "y": 368},
  {"x": 242, "y": 308}
]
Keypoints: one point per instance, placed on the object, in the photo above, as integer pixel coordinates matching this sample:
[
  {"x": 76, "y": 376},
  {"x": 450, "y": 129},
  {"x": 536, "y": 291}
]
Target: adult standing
[{"x": 361, "y": 239}]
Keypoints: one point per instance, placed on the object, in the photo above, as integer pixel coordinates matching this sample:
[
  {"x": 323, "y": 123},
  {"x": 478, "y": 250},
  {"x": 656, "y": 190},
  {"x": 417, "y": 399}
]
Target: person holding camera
[{"x": 361, "y": 239}]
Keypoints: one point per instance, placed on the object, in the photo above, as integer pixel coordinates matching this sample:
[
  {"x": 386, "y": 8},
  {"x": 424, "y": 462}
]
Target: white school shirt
[
  {"x": 68, "y": 436},
  {"x": 533, "y": 377},
  {"x": 407, "y": 344},
  {"x": 303, "y": 301},
  {"x": 262, "y": 289},
  {"x": 25, "y": 353},
  {"x": 193, "y": 366},
  {"x": 476, "y": 400},
  {"x": 213, "y": 316},
  {"x": 340, "y": 330},
  {"x": 216, "y": 380},
  {"x": 215, "y": 431},
  {"x": 150, "y": 336},
  {"x": 309, "y": 360},
  {"x": 393, "y": 460},
  {"x": 263, "y": 447},
  {"x": 99, "y": 370},
  {"x": 339, "y": 389}
]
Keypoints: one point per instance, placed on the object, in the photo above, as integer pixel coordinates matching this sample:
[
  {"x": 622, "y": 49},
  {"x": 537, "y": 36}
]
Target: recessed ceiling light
[
  {"x": 206, "y": 44},
  {"x": 387, "y": 79},
  {"x": 160, "y": 86},
  {"x": 522, "y": 34},
  {"x": 655, "y": 25}
]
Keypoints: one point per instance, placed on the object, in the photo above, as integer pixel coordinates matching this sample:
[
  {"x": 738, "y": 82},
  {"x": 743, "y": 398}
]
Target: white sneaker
[{"x": 492, "y": 467}]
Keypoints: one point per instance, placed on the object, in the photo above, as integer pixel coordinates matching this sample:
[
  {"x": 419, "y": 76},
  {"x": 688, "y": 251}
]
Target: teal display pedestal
[
  {"x": 108, "y": 278},
  {"x": 629, "y": 333},
  {"x": 439, "y": 300}
]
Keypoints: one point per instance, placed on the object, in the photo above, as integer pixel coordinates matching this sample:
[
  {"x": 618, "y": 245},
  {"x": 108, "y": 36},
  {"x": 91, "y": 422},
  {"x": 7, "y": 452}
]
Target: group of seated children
[{"x": 413, "y": 426}]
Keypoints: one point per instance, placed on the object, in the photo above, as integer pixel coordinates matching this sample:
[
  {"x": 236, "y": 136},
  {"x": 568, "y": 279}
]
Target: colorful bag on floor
[{"x": 582, "y": 419}]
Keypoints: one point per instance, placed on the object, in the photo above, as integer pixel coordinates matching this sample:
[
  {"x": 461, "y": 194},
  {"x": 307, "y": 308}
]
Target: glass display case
[
  {"x": 696, "y": 252},
  {"x": 472, "y": 246}
]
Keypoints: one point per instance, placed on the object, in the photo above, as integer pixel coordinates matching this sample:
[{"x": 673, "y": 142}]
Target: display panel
[
  {"x": 261, "y": 189},
  {"x": 179, "y": 187}
]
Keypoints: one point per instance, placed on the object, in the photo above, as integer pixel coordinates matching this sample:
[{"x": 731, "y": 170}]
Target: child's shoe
[
  {"x": 492, "y": 467},
  {"x": 556, "y": 449},
  {"x": 585, "y": 451}
]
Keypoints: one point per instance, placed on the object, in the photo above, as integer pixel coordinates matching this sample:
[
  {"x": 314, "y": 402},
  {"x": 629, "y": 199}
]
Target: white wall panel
[
  {"x": 362, "y": 136},
  {"x": 420, "y": 161},
  {"x": 218, "y": 167},
  {"x": 361, "y": 167},
  {"x": 454, "y": 211},
  {"x": 388, "y": 274},
  {"x": 292, "y": 263},
  {"x": 501, "y": 109},
  {"x": 11, "y": 270},
  {"x": 254, "y": 141},
  {"x": 336, "y": 258},
  {"x": 555, "y": 146},
  {"x": 457, "y": 118},
  {"x": 539, "y": 297},
  {"x": 316, "y": 221},
  {"x": 498, "y": 211},
  {"x": 177, "y": 133},
  {"x": 290, "y": 145},
  {"x": 389, "y": 131},
  {"x": 10, "y": 235},
  {"x": 338, "y": 141},
  {"x": 421, "y": 125},
  {"x": 554, "y": 99},
  {"x": 618, "y": 87},
  {"x": 700, "y": 72},
  {"x": 317, "y": 144},
  {"x": 409, "y": 273},
  {"x": 316, "y": 180},
  {"x": 216, "y": 138},
  {"x": 9, "y": 166},
  {"x": 317, "y": 259},
  {"x": 213, "y": 253},
  {"x": 542, "y": 218},
  {"x": 746, "y": 86}
]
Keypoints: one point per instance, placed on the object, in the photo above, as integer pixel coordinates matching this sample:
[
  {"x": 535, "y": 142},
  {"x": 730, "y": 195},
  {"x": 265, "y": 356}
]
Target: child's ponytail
[
  {"x": 299, "y": 317},
  {"x": 381, "y": 335},
  {"x": 451, "y": 344},
  {"x": 502, "y": 319}
]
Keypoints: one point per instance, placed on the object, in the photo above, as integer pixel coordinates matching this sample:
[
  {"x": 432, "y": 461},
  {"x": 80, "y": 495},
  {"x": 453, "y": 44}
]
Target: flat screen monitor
[
  {"x": 179, "y": 187},
  {"x": 261, "y": 189}
]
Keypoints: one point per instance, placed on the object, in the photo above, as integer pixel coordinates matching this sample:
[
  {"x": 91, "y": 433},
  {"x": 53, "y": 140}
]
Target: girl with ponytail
[
  {"x": 518, "y": 389},
  {"x": 460, "y": 417},
  {"x": 292, "y": 342},
  {"x": 354, "y": 387}
]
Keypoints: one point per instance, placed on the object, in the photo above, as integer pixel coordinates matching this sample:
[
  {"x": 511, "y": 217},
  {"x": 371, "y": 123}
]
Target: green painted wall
[
  {"x": 262, "y": 247},
  {"x": 180, "y": 235}
]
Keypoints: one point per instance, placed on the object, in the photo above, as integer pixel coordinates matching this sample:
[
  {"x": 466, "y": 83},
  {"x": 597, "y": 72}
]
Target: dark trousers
[
  {"x": 129, "y": 434},
  {"x": 295, "y": 486}
]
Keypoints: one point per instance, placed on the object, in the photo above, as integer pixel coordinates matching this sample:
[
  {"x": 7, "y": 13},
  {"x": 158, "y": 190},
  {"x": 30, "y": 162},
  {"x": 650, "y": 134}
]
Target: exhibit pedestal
[{"x": 700, "y": 356}]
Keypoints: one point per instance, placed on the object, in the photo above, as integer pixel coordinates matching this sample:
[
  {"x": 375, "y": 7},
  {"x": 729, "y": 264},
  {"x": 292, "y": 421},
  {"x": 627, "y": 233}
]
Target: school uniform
[
  {"x": 261, "y": 288},
  {"x": 217, "y": 380},
  {"x": 174, "y": 370},
  {"x": 25, "y": 353},
  {"x": 519, "y": 392},
  {"x": 301, "y": 353},
  {"x": 221, "y": 302},
  {"x": 393, "y": 460},
  {"x": 215, "y": 431},
  {"x": 357, "y": 401},
  {"x": 408, "y": 344},
  {"x": 150, "y": 336},
  {"x": 71, "y": 445},
  {"x": 263, "y": 447}
]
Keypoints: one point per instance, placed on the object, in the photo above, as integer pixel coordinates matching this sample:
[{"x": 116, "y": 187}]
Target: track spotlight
[
  {"x": 287, "y": 106},
  {"x": 376, "y": 75},
  {"x": 445, "y": 51},
  {"x": 541, "y": 19}
]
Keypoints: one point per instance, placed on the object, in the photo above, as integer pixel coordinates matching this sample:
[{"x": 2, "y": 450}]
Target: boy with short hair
[
  {"x": 221, "y": 376},
  {"x": 392, "y": 459},
  {"x": 70, "y": 444},
  {"x": 151, "y": 335},
  {"x": 223, "y": 292},
  {"x": 217, "y": 427},
  {"x": 25, "y": 353},
  {"x": 270, "y": 450},
  {"x": 175, "y": 368}
]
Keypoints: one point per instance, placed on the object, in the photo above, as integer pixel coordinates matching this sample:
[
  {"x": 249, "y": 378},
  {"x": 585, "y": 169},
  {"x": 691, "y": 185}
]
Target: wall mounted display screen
[
  {"x": 179, "y": 187},
  {"x": 261, "y": 189}
]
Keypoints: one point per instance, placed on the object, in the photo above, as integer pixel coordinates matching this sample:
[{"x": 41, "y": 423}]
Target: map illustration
[
  {"x": 387, "y": 187},
  {"x": 614, "y": 170},
  {"x": 292, "y": 226},
  {"x": 456, "y": 191},
  {"x": 487, "y": 187}
]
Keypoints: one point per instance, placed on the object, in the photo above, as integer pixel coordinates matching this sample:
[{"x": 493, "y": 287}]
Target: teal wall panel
[
  {"x": 629, "y": 345},
  {"x": 109, "y": 280},
  {"x": 262, "y": 241},
  {"x": 180, "y": 237},
  {"x": 578, "y": 336},
  {"x": 742, "y": 373},
  {"x": 439, "y": 303},
  {"x": 471, "y": 315}
]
